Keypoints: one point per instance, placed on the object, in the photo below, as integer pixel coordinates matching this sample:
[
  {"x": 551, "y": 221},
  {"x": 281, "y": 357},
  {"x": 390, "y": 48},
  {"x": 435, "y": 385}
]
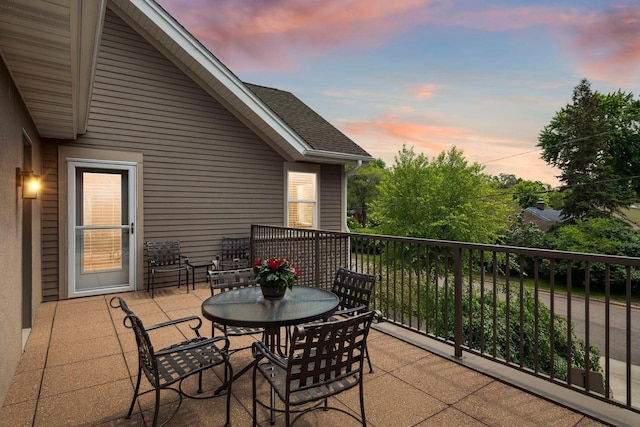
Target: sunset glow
[{"x": 483, "y": 76}]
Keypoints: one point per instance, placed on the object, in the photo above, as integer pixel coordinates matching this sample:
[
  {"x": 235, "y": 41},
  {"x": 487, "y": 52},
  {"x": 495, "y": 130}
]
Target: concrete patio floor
[{"x": 80, "y": 363}]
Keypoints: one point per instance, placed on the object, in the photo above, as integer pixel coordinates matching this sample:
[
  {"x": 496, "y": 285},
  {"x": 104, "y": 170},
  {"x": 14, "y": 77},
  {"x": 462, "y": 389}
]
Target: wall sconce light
[{"x": 29, "y": 182}]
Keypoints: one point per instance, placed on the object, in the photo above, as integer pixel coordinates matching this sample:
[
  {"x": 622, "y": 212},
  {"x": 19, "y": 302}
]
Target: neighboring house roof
[
  {"x": 544, "y": 217},
  {"x": 315, "y": 130},
  {"x": 547, "y": 214},
  {"x": 50, "y": 49}
]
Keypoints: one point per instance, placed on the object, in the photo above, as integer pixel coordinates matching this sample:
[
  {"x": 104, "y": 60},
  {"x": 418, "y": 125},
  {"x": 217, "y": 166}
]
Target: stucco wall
[{"x": 13, "y": 119}]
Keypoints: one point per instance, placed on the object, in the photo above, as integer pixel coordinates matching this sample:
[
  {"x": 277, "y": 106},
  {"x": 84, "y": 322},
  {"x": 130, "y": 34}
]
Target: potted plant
[{"x": 275, "y": 275}]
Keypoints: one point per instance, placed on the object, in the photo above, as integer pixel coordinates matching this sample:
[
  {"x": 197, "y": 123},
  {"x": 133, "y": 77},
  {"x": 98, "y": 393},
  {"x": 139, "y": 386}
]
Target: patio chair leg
[
  {"x": 254, "y": 389},
  {"x": 366, "y": 354},
  {"x": 153, "y": 282},
  {"x": 362, "y": 415},
  {"x": 229, "y": 383},
  {"x": 200, "y": 382},
  {"x": 157, "y": 408},
  {"x": 135, "y": 394}
]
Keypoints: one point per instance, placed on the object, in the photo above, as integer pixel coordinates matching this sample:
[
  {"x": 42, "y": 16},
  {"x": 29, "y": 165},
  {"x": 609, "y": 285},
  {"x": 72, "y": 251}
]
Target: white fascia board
[
  {"x": 343, "y": 157},
  {"x": 87, "y": 20},
  {"x": 220, "y": 72}
]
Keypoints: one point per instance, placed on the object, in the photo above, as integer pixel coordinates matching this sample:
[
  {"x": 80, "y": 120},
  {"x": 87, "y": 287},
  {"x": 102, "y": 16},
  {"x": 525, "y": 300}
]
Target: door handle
[{"x": 131, "y": 228}]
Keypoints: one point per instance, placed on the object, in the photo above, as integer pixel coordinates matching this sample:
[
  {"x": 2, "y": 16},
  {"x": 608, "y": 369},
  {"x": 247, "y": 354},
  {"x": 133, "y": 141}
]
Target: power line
[{"x": 538, "y": 149}]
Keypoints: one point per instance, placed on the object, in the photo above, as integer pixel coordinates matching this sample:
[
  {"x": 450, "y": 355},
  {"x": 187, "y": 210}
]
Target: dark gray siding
[{"x": 206, "y": 175}]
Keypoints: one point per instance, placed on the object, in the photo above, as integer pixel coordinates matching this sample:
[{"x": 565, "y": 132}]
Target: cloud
[
  {"x": 384, "y": 135},
  {"x": 515, "y": 18},
  {"x": 280, "y": 34},
  {"x": 607, "y": 47},
  {"x": 424, "y": 91},
  {"x": 604, "y": 44}
]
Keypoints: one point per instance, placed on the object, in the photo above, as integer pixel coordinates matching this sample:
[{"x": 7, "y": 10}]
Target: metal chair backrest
[
  {"x": 226, "y": 280},
  {"x": 353, "y": 289},
  {"x": 163, "y": 253},
  {"x": 146, "y": 354},
  {"x": 323, "y": 353},
  {"x": 236, "y": 251}
]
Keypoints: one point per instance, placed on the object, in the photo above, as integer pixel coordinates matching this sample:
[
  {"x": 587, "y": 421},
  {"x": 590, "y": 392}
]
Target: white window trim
[{"x": 303, "y": 168}]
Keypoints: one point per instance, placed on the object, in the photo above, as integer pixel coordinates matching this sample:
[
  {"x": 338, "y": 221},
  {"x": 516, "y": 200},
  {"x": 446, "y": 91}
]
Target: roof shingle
[{"x": 309, "y": 125}]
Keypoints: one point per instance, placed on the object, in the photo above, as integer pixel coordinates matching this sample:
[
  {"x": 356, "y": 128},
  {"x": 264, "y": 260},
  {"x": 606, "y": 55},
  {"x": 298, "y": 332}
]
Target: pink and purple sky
[{"x": 485, "y": 76}]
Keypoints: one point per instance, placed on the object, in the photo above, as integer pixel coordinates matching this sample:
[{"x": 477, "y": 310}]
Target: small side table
[{"x": 193, "y": 265}]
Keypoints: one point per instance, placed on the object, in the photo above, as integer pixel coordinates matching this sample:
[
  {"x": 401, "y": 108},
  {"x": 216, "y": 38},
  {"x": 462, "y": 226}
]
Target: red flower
[{"x": 279, "y": 271}]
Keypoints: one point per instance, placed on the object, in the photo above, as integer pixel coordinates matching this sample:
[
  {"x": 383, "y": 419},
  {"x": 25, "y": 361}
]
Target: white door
[{"x": 102, "y": 209}]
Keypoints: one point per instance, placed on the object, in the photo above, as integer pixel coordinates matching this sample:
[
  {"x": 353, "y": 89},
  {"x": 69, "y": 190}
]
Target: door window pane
[
  {"x": 102, "y": 198},
  {"x": 101, "y": 206}
]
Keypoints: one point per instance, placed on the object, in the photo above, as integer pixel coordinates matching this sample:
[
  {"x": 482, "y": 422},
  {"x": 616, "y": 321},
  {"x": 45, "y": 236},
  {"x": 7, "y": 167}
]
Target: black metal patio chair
[
  {"x": 165, "y": 257},
  {"x": 235, "y": 253},
  {"x": 226, "y": 280},
  {"x": 324, "y": 360},
  {"x": 169, "y": 365},
  {"x": 354, "y": 290}
]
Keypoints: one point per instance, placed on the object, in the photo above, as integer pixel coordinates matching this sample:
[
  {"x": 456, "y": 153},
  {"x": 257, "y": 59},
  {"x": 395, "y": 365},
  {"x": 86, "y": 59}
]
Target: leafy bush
[
  {"x": 609, "y": 236},
  {"x": 433, "y": 308}
]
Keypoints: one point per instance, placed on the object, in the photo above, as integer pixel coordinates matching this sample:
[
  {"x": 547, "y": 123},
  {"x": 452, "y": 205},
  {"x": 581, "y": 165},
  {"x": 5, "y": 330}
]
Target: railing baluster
[
  {"x": 536, "y": 331},
  {"x": 457, "y": 333},
  {"x": 569, "y": 335},
  {"x": 607, "y": 327},
  {"x": 628, "y": 337},
  {"x": 587, "y": 321},
  {"x": 521, "y": 314},
  {"x": 552, "y": 314},
  {"x": 507, "y": 271}
]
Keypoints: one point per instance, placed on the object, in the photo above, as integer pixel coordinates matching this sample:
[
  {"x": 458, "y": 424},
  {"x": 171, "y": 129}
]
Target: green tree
[
  {"x": 609, "y": 236},
  {"x": 555, "y": 199},
  {"x": 506, "y": 180},
  {"x": 580, "y": 141},
  {"x": 622, "y": 113},
  {"x": 444, "y": 199},
  {"x": 524, "y": 234},
  {"x": 362, "y": 188},
  {"x": 527, "y": 193}
]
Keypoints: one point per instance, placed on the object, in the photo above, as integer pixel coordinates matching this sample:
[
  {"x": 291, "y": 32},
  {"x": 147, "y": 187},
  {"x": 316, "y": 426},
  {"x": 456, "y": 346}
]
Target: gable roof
[
  {"x": 50, "y": 50},
  {"x": 547, "y": 214},
  {"x": 321, "y": 135}
]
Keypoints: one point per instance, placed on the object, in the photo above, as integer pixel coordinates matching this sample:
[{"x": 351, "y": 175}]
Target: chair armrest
[
  {"x": 177, "y": 321},
  {"x": 185, "y": 259},
  {"x": 260, "y": 350},
  {"x": 196, "y": 344},
  {"x": 350, "y": 311}
]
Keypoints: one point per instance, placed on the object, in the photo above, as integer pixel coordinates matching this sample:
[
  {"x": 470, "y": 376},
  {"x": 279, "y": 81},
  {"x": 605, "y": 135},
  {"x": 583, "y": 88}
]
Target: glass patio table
[{"x": 247, "y": 307}]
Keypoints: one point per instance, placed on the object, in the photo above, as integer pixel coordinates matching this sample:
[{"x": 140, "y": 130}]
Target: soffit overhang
[{"x": 49, "y": 48}]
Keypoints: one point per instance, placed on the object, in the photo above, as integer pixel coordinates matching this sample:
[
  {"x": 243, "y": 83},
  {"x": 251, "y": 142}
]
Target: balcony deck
[{"x": 80, "y": 363}]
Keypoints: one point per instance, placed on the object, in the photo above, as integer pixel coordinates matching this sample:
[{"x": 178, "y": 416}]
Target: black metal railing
[{"x": 516, "y": 306}]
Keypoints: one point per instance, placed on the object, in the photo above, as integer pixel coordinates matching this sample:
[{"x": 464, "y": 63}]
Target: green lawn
[{"x": 632, "y": 215}]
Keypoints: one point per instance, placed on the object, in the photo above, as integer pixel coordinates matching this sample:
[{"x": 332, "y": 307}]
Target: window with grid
[{"x": 302, "y": 199}]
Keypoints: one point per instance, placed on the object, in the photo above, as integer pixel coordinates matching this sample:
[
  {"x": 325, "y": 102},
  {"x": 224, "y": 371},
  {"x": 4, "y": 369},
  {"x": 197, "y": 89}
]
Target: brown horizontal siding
[
  {"x": 330, "y": 197},
  {"x": 50, "y": 255},
  {"x": 206, "y": 175}
]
